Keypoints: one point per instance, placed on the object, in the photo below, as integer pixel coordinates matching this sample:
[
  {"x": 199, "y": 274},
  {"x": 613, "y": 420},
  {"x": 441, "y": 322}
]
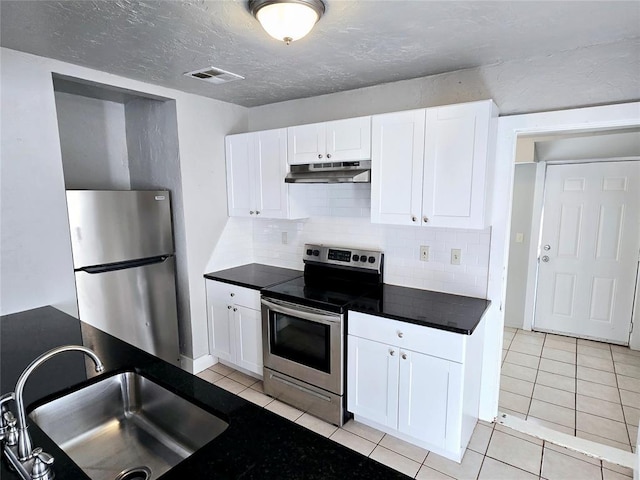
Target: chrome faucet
[{"x": 26, "y": 457}]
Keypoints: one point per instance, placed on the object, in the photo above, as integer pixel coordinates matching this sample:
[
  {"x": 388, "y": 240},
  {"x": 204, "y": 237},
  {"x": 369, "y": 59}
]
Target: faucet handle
[
  {"x": 42, "y": 462},
  {"x": 11, "y": 433}
]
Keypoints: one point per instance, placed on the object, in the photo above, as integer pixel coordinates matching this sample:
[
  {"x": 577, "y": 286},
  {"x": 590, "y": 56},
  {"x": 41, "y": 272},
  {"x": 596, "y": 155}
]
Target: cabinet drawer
[
  {"x": 234, "y": 295},
  {"x": 430, "y": 341}
]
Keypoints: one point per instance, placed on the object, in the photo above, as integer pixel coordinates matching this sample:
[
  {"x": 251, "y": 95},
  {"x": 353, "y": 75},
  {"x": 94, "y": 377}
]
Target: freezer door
[
  {"x": 137, "y": 305},
  {"x": 114, "y": 226}
]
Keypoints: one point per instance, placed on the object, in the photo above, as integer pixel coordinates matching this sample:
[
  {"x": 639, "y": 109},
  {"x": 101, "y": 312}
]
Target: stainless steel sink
[{"x": 126, "y": 427}]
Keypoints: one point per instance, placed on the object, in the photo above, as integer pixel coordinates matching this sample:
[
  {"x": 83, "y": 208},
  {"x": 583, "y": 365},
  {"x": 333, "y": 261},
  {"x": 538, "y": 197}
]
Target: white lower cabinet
[
  {"x": 236, "y": 325},
  {"x": 400, "y": 388}
]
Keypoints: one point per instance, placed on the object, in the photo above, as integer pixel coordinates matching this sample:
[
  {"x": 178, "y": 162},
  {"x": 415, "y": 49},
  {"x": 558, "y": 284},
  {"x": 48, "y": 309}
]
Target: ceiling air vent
[{"x": 214, "y": 75}]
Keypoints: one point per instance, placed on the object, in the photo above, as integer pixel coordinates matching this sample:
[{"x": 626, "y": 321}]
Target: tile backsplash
[{"x": 341, "y": 216}]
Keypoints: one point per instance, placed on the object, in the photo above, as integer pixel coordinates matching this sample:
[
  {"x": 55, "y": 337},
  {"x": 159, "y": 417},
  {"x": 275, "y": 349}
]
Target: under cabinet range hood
[{"x": 331, "y": 172}]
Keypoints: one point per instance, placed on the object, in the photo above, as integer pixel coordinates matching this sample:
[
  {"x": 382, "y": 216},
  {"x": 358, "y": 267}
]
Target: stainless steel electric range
[{"x": 303, "y": 322}]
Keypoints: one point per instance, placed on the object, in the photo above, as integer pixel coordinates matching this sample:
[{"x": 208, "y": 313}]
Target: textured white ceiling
[{"x": 355, "y": 44}]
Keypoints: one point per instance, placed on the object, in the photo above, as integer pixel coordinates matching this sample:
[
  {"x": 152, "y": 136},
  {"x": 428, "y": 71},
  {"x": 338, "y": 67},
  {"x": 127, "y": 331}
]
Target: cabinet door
[
  {"x": 349, "y": 139},
  {"x": 372, "y": 381},
  {"x": 306, "y": 144},
  {"x": 248, "y": 327},
  {"x": 240, "y": 174},
  {"x": 396, "y": 167},
  {"x": 455, "y": 163},
  {"x": 423, "y": 395},
  {"x": 270, "y": 169},
  {"x": 220, "y": 314}
]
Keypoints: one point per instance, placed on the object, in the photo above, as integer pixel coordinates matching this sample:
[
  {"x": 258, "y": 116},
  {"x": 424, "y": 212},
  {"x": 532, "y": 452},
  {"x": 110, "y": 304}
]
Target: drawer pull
[{"x": 400, "y": 334}]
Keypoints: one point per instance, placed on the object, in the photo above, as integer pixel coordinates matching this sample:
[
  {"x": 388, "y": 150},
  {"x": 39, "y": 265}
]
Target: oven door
[{"x": 304, "y": 343}]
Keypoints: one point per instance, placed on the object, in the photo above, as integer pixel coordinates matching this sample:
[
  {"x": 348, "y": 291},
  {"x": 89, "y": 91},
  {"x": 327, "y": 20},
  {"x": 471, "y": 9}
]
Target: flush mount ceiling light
[{"x": 287, "y": 20}]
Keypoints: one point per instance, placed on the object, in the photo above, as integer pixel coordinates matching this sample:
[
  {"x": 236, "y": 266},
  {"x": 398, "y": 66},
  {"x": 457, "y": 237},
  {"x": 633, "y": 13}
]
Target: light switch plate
[
  {"x": 456, "y": 253},
  {"x": 424, "y": 253},
  {"x": 519, "y": 237}
]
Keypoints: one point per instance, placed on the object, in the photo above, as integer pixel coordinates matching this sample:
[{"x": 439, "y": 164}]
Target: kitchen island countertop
[{"x": 258, "y": 444}]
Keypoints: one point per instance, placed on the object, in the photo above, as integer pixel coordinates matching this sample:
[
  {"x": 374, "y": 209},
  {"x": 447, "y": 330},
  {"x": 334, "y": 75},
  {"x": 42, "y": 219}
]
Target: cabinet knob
[
  {"x": 235, "y": 309},
  {"x": 257, "y": 212},
  {"x": 319, "y": 155},
  {"x": 250, "y": 212},
  {"x": 233, "y": 294},
  {"x": 425, "y": 219},
  {"x": 413, "y": 219},
  {"x": 229, "y": 307},
  {"x": 328, "y": 155},
  {"x": 404, "y": 356},
  {"x": 400, "y": 334},
  {"x": 392, "y": 352}
]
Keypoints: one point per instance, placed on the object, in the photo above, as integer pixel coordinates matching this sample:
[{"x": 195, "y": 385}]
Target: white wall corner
[{"x": 195, "y": 366}]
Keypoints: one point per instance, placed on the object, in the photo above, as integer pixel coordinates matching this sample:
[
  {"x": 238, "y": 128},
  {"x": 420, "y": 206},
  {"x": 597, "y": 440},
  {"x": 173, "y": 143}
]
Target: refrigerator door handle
[{"x": 110, "y": 267}]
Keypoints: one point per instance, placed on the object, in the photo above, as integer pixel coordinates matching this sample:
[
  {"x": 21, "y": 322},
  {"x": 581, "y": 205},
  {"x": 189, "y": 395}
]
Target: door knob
[
  {"x": 547, "y": 248},
  {"x": 545, "y": 258}
]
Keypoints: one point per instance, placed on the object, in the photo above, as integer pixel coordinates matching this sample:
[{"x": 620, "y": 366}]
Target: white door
[
  {"x": 219, "y": 316},
  {"x": 306, "y": 144},
  {"x": 349, "y": 139},
  {"x": 240, "y": 174},
  {"x": 457, "y": 138},
  {"x": 270, "y": 170},
  {"x": 397, "y": 155},
  {"x": 423, "y": 397},
  {"x": 372, "y": 381},
  {"x": 248, "y": 327},
  {"x": 589, "y": 250}
]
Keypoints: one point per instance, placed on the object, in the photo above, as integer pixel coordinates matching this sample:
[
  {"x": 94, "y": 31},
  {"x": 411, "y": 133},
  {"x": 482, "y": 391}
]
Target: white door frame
[{"x": 591, "y": 118}]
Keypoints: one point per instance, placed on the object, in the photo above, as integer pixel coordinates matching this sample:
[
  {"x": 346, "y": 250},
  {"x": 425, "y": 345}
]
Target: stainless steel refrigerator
[{"x": 123, "y": 257}]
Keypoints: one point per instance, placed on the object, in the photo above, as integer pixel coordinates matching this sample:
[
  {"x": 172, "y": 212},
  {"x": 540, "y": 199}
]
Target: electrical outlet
[
  {"x": 456, "y": 253},
  {"x": 284, "y": 238},
  {"x": 424, "y": 253}
]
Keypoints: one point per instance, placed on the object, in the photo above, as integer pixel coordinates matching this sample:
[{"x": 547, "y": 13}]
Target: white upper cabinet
[
  {"x": 336, "y": 141},
  {"x": 459, "y": 144},
  {"x": 256, "y": 167},
  {"x": 396, "y": 167},
  {"x": 431, "y": 166}
]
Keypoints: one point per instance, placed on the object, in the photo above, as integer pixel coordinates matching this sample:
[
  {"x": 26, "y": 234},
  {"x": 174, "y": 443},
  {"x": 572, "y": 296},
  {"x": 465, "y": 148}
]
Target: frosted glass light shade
[{"x": 288, "y": 21}]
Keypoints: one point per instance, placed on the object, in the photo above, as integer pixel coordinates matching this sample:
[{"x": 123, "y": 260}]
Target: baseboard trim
[{"x": 197, "y": 365}]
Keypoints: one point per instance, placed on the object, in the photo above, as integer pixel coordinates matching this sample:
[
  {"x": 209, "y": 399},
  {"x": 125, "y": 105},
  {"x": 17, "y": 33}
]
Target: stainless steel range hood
[{"x": 331, "y": 172}]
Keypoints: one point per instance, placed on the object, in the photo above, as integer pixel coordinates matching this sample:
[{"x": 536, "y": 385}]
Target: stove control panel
[{"x": 351, "y": 257}]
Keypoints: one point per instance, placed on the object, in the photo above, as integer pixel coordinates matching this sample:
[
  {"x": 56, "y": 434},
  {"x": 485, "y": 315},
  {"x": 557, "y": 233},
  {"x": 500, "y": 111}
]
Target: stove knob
[
  {"x": 363, "y": 258},
  {"x": 372, "y": 259},
  {"x": 316, "y": 253},
  {"x": 355, "y": 258},
  {"x": 309, "y": 251}
]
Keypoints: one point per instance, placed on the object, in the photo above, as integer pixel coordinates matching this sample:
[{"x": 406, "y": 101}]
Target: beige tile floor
[
  {"x": 580, "y": 387},
  {"x": 494, "y": 452}
]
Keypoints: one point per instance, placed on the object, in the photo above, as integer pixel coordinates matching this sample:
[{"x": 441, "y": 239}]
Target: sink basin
[{"x": 126, "y": 427}]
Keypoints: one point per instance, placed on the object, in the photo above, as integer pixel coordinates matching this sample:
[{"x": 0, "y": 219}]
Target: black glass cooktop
[{"x": 325, "y": 293}]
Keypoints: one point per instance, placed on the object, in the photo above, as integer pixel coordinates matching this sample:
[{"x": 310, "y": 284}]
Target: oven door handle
[{"x": 301, "y": 312}]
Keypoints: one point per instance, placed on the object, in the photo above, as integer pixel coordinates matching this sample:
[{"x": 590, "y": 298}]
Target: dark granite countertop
[
  {"x": 254, "y": 275},
  {"x": 443, "y": 311},
  {"x": 257, "y": 444}
]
